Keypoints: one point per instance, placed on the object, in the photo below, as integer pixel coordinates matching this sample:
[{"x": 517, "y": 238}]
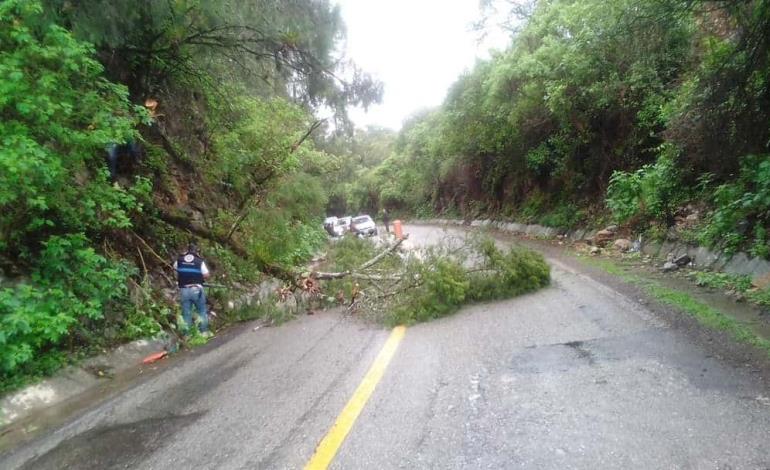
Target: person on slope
[
  {"x": 191, "y": 271},
  {"x": 386, "y": 219}
]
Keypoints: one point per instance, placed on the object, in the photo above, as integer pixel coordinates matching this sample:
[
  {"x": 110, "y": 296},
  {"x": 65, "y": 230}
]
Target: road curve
[{"x": 576, "y": 375}]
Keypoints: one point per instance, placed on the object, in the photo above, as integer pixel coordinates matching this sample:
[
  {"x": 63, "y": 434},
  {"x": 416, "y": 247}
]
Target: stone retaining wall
[{"x": 703, "y": 258}]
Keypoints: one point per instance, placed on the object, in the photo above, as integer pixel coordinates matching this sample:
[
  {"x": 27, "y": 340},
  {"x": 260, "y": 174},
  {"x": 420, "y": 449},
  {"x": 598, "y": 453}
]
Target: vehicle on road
[
  {"x": 363, "y": 226},
  {"x": 345, "y": 222},
  {"x": 332, "y": 227}
]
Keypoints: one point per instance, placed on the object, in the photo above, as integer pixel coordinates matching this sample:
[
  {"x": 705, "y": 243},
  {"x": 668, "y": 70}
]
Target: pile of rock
[
  {"x": 622, "y": 244},
  {"x": 603, "y": 237},
  {"x": 607, "y": 235},
  {"x": 672, "y": 264}
]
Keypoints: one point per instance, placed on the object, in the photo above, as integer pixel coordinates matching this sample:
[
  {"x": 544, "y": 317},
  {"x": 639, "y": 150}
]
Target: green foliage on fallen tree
[
  {"x": 411, "y": 286},
  {"x": 507, "y": 273},
  {"x": 446, "y": 281}
]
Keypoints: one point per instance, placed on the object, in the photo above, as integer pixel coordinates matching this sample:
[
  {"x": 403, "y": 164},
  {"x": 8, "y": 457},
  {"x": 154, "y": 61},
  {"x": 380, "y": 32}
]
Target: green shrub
[
  {"x": 736, "y": 282},
  {"x": 649, "y": 193},
  {"x": 285, "y": 228},
  {"x": 67, "y": 294},
  {"x": 533, "y": 207},
  {"x": 739, "y": 205},
  {"x": 759, "y": 296},
  {"x": 759, "y": 246},
  {"x": 350, "y": 252},
  {"x": 565, "y": 215},
  {"x": 723, "y": 281},
  {"x": 141, "y": 323},
  {"x": 143, "y": 317}
]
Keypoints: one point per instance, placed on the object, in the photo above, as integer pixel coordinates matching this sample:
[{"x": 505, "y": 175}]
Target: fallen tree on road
[
  {"x": 360, "y": 273},
  {"x": 395, "y": 285}
]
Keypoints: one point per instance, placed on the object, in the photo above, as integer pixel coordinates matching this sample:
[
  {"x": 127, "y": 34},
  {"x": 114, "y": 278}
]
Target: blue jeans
[{"x": 190, "y": 296}]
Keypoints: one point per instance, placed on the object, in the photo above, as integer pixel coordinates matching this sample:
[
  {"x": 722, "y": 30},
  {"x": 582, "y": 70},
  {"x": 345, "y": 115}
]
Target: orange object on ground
[
  {"x": 398, "y": 229},
  {"x": 154, "y": 357}
]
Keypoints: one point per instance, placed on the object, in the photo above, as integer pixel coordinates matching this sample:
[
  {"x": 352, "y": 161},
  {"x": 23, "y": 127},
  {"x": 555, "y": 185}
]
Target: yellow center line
[{"x": 327, "y": 449}]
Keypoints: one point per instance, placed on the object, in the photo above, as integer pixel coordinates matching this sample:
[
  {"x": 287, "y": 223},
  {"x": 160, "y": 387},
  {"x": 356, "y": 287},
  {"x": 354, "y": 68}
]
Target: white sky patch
[{"x": 417, "y": 48}]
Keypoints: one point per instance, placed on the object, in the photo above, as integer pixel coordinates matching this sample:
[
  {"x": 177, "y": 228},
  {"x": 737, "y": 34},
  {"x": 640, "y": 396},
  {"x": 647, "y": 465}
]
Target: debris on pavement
[
  {"x": 154, "y": 357},
  {"x": 670, "y": 266},
  {"x": 100, "y": 371}
]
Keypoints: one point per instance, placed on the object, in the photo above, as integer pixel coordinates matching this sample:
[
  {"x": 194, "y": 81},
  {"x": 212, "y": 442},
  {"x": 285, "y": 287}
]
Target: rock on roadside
[
  {"x": 603, "y": 236},
  {"x": 669, "y": 267},
  {"x": 622, "y": 244}
]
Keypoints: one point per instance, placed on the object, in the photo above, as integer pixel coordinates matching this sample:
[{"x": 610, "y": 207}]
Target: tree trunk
[{"x": 184, "y": 223}]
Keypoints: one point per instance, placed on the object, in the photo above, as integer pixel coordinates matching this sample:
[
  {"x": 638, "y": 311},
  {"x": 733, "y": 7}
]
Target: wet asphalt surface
[{"x": 576, "y": 375}]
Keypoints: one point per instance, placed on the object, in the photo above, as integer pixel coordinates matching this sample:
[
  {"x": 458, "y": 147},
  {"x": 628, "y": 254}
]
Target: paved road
[{"x": 573, "y": 376}]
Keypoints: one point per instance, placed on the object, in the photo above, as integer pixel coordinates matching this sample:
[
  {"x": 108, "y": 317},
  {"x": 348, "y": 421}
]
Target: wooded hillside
[
  {"x": 637, "y": 111},
  {"x": 208, "y": 110}
]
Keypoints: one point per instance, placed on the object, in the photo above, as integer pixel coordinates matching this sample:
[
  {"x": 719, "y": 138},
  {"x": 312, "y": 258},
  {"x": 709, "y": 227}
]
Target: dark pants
[{"x": 114, "y": 151}]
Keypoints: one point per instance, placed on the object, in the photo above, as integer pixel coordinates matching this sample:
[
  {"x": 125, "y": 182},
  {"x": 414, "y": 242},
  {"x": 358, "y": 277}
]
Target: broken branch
[
  {"x": 355, "y": 275},
  {"x": 385, "y": 253},
  {"x": 302, "y": 139},
  {"x": 327, "y": 276}
]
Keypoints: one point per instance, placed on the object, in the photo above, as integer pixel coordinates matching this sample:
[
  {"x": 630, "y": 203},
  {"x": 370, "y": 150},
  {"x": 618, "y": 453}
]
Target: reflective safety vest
[{"x": 188, "y": 269}]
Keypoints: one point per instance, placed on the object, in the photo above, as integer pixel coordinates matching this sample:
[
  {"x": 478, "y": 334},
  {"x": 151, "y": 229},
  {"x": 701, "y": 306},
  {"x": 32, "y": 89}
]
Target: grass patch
[
  {"x": 609, "y": 266},
  {"x": 702, "y": 312},
  {"x": 736, "y": 282}
]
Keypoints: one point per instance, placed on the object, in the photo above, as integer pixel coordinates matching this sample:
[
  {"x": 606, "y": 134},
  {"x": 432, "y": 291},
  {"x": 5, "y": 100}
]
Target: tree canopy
[{"x": 588, "y": 89}]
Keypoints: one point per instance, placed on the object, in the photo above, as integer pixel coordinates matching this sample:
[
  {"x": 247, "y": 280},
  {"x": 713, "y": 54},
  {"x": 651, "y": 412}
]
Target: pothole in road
[
  {"x": 559, "y": 357},
  {"x": 582, "y": 351}
]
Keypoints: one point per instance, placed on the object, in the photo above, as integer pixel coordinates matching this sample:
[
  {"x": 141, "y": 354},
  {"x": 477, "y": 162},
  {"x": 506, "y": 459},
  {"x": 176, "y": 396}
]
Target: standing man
[
  {"x": 385, "y": 219},
  {"x": 191, "y": 271}
]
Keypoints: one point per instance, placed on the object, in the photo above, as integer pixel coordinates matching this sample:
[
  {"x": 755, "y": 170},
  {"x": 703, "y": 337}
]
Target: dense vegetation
[
  {"x": 624, "y": 110},
  {"x": 227, "y": 157}
]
